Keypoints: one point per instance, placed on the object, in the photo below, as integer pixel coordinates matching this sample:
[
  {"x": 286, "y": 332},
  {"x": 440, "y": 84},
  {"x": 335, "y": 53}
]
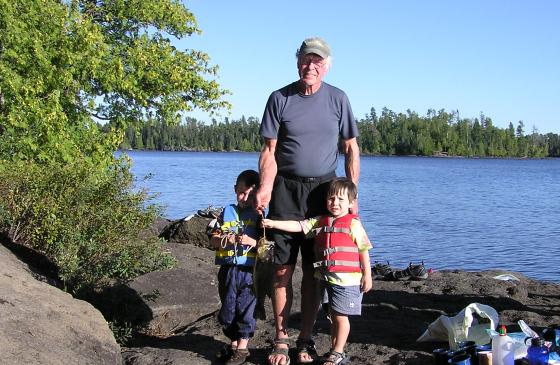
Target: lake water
[{"x": 453, "y": 213}]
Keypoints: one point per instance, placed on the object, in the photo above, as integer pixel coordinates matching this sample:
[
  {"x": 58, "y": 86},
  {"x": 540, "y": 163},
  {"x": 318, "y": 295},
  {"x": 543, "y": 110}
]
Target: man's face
[
  {"x": 311, "y": 68},
  {"x": 245, "y": 194}
]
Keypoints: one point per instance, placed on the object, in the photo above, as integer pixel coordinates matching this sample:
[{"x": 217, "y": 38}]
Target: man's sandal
[
  {"x": 305, "y": 347},
  {"x": 335, "y": 358},
  {"x": 280, "y": 351}
]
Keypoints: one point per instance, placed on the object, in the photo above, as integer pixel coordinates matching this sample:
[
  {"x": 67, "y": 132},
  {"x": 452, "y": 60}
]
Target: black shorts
[{"x": 296, "y": 198}]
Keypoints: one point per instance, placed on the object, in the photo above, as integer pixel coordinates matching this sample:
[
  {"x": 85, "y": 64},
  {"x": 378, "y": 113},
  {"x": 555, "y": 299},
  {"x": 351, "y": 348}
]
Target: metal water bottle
[{"x": 537, "y": 353}]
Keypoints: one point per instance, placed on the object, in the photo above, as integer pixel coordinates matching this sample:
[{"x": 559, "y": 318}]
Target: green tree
[
  {"x": 65, "y": 66},
  {"x": 553, "y": 141},
  {"x": 523, "y": 144},
  {"x": 538, "y": 144},
  {"x": 520, "y": 129},
  {"x": 511, "y": 143},
  {"x": 48, "y": 56}
]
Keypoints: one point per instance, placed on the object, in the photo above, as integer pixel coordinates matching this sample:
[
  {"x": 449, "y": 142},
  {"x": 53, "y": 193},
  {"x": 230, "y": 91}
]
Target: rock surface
[
  {"x": 40, "y": 324},
  {"x": 395, "y": 313},
  {"x": 182, "y": 295}
]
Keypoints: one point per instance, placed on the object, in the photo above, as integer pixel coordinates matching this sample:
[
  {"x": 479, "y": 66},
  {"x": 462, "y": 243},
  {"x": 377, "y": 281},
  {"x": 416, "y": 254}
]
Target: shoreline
[{"x": 401, "y": 264}]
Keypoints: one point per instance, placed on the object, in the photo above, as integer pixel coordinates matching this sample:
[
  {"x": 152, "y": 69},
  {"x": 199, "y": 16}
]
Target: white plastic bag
[{"x": 462, "y": 327}]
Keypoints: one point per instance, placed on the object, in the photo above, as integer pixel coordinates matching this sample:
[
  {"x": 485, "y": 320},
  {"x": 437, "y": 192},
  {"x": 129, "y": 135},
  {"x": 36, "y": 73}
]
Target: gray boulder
[
  {"x": 189, "y": 230},
  {"x": 41, "y": 324},
  {"x": 176, "y": 298}
]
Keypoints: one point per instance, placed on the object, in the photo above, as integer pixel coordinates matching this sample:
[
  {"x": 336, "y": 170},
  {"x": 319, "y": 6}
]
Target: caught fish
[
  {"x": 262, "y": 275},
  {"x": 265, "y": 250}
]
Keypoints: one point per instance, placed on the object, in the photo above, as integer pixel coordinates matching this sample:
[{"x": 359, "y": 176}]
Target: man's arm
[
  {"x": 267, "y": 171},
  {"x": 352, "y": 165},
  {"x": 352, "y": 160}
]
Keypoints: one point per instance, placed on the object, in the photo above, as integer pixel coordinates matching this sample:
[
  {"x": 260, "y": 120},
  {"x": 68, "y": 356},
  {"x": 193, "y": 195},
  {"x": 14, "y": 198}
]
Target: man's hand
[{"x": 262, "y": 198}]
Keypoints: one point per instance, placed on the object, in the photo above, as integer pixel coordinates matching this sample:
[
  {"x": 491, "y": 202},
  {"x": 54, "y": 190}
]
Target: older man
[{"x": 301, "y": 126}]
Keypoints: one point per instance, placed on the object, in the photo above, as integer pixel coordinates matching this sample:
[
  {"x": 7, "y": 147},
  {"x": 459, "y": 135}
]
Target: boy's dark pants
[{"x": 235, "y": 286}]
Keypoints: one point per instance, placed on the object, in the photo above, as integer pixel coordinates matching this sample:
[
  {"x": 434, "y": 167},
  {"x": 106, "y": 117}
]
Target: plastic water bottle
[
  {"x": 537, "y": 353},
  {"x": 502, "y": 348}
]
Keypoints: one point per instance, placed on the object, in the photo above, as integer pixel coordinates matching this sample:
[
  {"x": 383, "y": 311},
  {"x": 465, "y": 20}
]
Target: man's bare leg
[
  {"x": 310, "y": 301},
  {"x": 282, "y": 296}
]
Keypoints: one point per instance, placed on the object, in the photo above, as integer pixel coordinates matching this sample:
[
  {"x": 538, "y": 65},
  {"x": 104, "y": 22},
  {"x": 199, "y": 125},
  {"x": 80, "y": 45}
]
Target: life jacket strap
[
  {"x": 327, "y": 229},
  {"x": 327, "y": 263},
  {"x": 332, "y": 250},
  {"x": 335, "y": 230}
]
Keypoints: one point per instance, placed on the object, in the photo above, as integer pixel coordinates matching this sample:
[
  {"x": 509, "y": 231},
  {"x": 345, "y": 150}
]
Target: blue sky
[{"x": 499, "y": 58}]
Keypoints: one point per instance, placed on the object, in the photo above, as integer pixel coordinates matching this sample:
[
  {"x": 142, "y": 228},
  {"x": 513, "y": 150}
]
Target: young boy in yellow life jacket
[
  {"x": 342, "y": 259},
  {"x": 235, "y": 237}
]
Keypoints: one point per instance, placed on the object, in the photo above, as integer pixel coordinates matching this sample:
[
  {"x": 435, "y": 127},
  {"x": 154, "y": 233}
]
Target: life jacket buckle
[{"x": 329, "y": 250}]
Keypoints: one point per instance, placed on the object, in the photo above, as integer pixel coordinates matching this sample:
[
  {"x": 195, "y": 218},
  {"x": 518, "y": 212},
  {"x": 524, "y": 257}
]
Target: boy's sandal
[
  {"x": 280, "y": 350},
  {"x": 306, "y": 347},
  {"x": 225, "y": 353},
  {"x": 239, "y": 357},
  {"x": 335, "y": 358}
]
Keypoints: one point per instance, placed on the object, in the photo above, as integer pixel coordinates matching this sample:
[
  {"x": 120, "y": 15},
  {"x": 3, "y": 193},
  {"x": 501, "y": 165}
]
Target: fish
[{"x": 263, "y": 272}]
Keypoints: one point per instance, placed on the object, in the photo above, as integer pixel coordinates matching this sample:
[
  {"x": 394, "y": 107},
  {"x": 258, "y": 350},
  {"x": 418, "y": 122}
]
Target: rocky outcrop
[
  {"x": 394, "y": 313},
  {"x": 176, "y": 298},
  {"x": 189, "y": 230},
  {"x": 41, "y": 324}
]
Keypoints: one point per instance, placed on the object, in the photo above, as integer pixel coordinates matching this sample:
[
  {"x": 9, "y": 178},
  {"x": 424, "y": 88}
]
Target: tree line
[{"x": 439, "y": 133}]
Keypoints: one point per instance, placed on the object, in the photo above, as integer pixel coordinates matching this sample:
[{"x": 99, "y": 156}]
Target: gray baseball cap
[{"x": 315, "y": 45}]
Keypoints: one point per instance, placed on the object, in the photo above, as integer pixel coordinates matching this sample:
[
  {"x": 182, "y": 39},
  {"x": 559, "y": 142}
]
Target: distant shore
[{"x": 435, "y": 155}]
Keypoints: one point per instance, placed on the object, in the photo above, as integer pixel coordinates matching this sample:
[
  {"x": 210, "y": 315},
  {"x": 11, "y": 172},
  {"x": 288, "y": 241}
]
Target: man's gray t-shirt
[{"x": 307, "y": 128}]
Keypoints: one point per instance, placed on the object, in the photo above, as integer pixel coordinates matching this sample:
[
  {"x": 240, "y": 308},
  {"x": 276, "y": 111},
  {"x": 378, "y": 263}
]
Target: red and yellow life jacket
[{"x": 334, "y": 248}]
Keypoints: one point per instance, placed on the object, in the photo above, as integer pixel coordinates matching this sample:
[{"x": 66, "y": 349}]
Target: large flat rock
[
  {"x": 41, "y": 324},
  {"x": 178, "y": 297}
]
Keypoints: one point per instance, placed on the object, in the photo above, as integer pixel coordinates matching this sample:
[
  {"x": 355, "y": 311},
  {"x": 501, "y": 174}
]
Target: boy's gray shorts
[{"x": 345, "y": 300}]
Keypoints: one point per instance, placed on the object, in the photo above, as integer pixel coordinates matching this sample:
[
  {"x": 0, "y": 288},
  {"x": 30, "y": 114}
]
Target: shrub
[{"x": 87, "y": 220}]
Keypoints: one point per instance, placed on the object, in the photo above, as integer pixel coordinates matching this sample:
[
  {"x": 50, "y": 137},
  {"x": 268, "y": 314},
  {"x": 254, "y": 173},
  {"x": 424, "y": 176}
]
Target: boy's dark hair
[
  {"x": 343, "y": 184},
  {"x": 248, "y": 177}
]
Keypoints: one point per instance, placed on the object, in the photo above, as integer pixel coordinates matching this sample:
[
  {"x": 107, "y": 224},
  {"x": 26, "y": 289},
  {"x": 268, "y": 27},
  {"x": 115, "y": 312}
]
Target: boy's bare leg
[
  {"x": 340, "y": 329},
  {"x": 242, "y": 343}
]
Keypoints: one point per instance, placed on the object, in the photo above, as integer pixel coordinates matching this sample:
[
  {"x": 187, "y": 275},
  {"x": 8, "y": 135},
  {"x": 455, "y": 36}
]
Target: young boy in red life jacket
[
  {"x": 342, "y": 259},
  {"x": 234, "y": 237}
]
